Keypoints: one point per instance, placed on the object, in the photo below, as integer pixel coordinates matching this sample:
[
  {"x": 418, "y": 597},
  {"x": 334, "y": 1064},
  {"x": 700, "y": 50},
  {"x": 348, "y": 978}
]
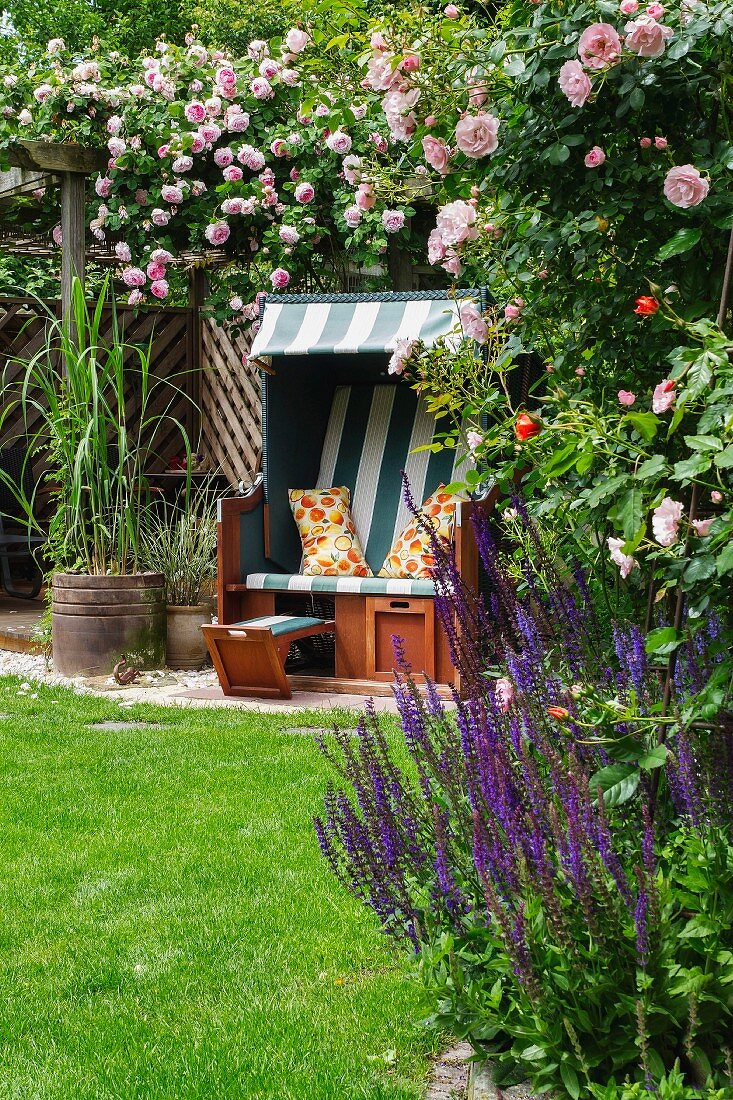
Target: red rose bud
[
  {"x": 526, "y": 426},
  {"x": 558, "y": 712},
  {"x": 646, "y": 306}
]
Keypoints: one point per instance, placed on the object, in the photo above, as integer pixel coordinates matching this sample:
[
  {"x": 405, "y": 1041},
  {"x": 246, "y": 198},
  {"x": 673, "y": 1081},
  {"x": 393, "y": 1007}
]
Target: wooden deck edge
[
  {"x": 337, "y": 686},
  {"x": 13, "y": 643}
]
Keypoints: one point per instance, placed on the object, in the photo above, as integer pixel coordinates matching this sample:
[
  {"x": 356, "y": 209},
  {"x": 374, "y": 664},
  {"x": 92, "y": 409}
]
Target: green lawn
[{"x": 168, "y": 928}]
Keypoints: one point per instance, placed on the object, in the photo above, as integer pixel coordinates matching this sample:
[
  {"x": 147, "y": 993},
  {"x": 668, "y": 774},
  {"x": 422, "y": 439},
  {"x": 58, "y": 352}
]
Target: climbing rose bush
[{"x": 244, "y": 160}]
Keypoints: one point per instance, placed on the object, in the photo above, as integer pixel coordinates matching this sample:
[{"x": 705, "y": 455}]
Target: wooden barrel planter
[{"x": 98, "y": 620}]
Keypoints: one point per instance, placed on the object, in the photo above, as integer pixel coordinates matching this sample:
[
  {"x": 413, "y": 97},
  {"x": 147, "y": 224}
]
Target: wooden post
[
  {"x": 73, "y": 233},
  {"x": 197, "y": 286}
]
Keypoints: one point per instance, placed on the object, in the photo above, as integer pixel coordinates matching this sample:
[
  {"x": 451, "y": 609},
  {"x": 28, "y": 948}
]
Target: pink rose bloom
[
  {"x": 352, "y": 216},
  {"x": 379, "y": 142},
  {"x": 436, "y": 248},
  {"x": 155, "y": 271},
  {"x": 159, "y": 217},
  {"x": 402, "y": 352},
  {"x": 182, "y": 164},
  {"x": 474, "y": 326},
  {"x": 288, "y": 234},
  {"x": 210, "y": 132},
  {"x": 159, "y": 288},
  {"x": 595, "y": 157},
  {"x": 171, "y": 194},
  {"x": 655, "y": 10},
  {"x": 197, "y": 144},
  {"x": 436, "y": 153},
  {"x": 261, "y": 88},
  {"x": 195, "y": 112},
  {"x": 702, "y": 527},
  {"x": 599, "y": 46},
  {"x": 223, "y": 157},
  {"x": 289, "y": 77},
  {"x": 450, "y": 11},
  {"x": 626, "y": 397},
  {"x": 625, "y": 562},
  {"x": 213, "y": 106},
  {"x": 123, "y": 252},
  {"x": 280, "y": 278},
  {"x": 511, "y": 312},
  {"x": 339, "y": 142},
  {"x": 574, "y": 83},
  {"x": 666, "y": 521},
  {"x": 57, "y": 236},
  {"x": 133, "y": 276},
  {"x": 716, "y": 496},
  {"x": 645, "y": 142},
  {"x": 503, "y": 693},
  {"x": 197, "y": 188},
  {"x": 116, "y": 146},
  {"x": 474, "y": 439},
  {"x": 685, "y": 187},
  {"x": 351, "y": 166},
  {"x": 42, "y": 92},
  {"x": 401, "y": 119},
  {"x": 382, "y": 74},
  {"x": 217, "y": 233},
  {"x": 393, "y": 220},
  {"x": 456, "y": 223},
  {"x": 660, "y": 143},
  {"x": 296, "y": 40},
  {"x": 663, "y": 396},
  {"x": 232, "y": 173},
  {"x": 269, "y": 68},
  {"x": 161, "y": 256},
  {"x": 477, "y": 135},
  {"x": 236, "y": 120},
  {"x": 278, "y": 148},
  {"x": 646, "y": 37},
  {"x": 103, "y": 186},
  {"x": 226, "y": 76},
  {"x": 305, "y": 192},
  {"x": 232, "y": 206},
  {"x": 628, "y": 7},
  {"x": 134, "y": 298}
]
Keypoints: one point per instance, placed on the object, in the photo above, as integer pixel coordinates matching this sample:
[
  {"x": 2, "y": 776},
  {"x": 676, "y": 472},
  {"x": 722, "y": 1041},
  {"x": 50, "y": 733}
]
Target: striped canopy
[{"x": 351, "y": 324}]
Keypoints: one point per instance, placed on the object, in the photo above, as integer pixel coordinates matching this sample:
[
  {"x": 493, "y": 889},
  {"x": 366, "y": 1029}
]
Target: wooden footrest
[{"x": 249, "y": 657}]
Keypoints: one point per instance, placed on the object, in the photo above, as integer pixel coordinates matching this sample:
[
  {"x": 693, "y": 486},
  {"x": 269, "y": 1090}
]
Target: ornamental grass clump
[{"x": 558, "y": 854}]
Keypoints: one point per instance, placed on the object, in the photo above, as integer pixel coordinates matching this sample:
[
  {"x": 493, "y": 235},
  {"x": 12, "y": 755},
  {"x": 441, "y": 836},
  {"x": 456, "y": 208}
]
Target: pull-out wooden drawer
[{"x": 412, "y": 620}]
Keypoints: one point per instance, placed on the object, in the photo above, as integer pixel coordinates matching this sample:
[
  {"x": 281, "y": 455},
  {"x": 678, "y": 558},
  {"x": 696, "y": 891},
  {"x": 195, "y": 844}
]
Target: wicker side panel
[{"x": 231, "y": 404}]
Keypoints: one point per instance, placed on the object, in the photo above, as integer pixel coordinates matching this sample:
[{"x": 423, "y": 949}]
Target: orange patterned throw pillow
[
  {"x": 411, "y": 554},
  {"x": 331, "y": 546}
]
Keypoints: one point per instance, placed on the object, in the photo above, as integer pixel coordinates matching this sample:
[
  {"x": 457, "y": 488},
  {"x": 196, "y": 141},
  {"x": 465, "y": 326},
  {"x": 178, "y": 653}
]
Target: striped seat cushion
[
  {"x": 356, "y": 586},
  {"x": 283, "y": 624},
  {"x": 373, "y": 434}
]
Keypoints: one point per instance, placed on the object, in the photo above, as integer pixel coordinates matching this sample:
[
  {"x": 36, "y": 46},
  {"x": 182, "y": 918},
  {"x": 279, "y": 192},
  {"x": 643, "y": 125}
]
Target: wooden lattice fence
[
  {"x": 231, "y": 404},
  {"x": 199, "y": 378}
]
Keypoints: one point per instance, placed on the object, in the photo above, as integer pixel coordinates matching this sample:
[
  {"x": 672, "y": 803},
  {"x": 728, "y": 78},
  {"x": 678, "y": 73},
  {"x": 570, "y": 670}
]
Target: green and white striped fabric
[
  {"x": 348, "y": 327},
  {"x": 283, "y": 624},
  {"x": 355, "y": 586},
  {"x": 372, "y": 435}
]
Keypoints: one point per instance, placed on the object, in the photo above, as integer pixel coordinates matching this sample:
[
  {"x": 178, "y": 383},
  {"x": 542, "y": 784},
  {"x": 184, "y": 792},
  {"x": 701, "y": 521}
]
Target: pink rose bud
[
  {"x": 580, "y": 371},
  {"x": 451, "y": 11},
  {"x": 716, "y": 496},
  {"x": 660, "y": 142},
  {"x": 645, "y": 142},
  {"x": 702, "y": 527},
  {"x": 430, "y": 120},
  {"x": 411, "y": 63},
  {"x": 655, "y": 10},
  {"x": 628, "y": 7},
  {"x": 626, "y": 397}
]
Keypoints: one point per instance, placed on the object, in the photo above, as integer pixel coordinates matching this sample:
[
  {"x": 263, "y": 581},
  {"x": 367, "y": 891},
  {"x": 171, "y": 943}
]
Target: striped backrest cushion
[{"x": 371, "y": 436}]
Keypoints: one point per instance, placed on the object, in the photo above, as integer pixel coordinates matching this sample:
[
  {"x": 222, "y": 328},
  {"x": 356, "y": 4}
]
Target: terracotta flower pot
[{"x": 186, "y": 647}]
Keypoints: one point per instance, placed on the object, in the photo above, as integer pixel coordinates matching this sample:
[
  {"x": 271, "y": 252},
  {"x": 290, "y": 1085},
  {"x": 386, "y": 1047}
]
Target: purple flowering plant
[{"x": 558, "y": 856}]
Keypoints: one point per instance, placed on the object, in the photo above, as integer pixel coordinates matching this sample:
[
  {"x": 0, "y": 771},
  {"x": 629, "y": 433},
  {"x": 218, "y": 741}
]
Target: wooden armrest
[{"x": 236, "y": 506}]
